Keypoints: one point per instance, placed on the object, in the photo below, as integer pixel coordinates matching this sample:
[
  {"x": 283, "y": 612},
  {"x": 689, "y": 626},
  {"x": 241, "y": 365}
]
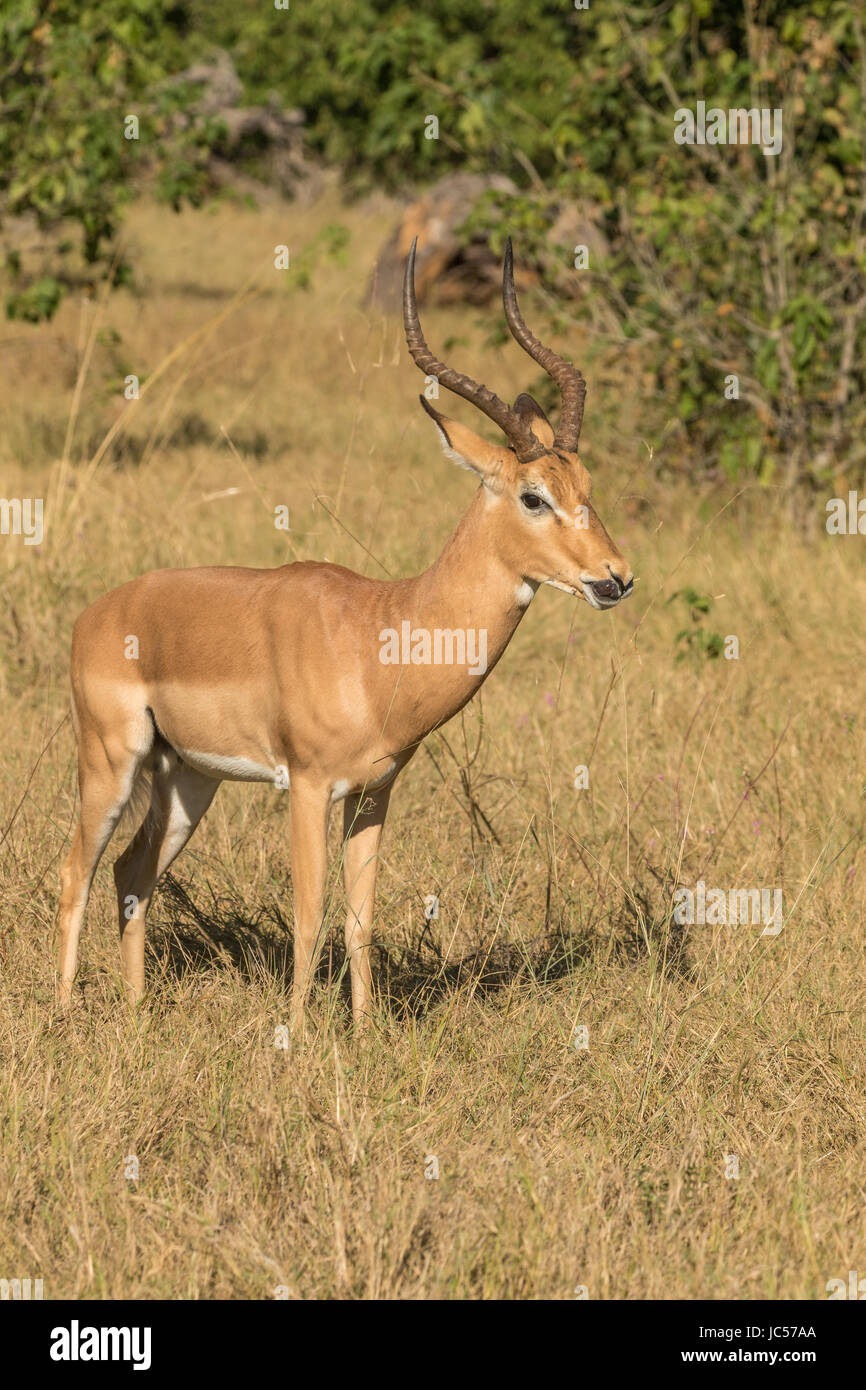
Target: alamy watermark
[
  {"x": 447, "y": 646},
  {"x": 20, "y": 1290},
  {"x": 855, "y": 1288},
  {"x": 846, "y": 518},
  {"x": 736, "y": 126},
  {"x": 736, "y": 907},
  {"x": 77, "y": 1343},
  {"x": 22, "y": 516}
]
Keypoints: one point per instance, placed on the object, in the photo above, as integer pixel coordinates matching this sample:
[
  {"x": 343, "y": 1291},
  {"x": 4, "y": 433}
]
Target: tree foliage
[
  {"x": 70, "y": 76},
  {"x": 723, "y": 262}
]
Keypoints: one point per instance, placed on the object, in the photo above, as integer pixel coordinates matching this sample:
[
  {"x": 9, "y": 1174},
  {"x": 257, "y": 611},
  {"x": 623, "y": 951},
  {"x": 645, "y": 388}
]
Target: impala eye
[{"x": 532, "y": 502}]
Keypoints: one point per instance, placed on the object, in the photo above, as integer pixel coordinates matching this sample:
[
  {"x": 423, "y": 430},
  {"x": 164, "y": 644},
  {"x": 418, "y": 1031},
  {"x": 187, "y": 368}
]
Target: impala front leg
[
  {"x": 363, "y": 818},
  {"x": 308, "y": 837}
]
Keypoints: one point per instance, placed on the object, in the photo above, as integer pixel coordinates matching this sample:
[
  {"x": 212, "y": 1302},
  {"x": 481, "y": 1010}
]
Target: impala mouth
[
  {"x": 566, "y": 588},
  {"x": 599, "y": 593},
  {"x": 595, "y": 600},
  {"x": 606, "y": 593}
]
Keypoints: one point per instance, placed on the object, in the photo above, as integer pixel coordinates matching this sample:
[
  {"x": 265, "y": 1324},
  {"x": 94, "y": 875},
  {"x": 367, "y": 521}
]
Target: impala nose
[{"x": 609, "y": 591}]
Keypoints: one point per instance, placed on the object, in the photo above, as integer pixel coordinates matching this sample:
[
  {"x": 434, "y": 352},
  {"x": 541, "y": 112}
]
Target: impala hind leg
[
  {"x": 179, "y": 799},
  {"x": 106, "y": 775},
  {"x": 309, "y": 844},
  {"x": 363, "y": 819}
]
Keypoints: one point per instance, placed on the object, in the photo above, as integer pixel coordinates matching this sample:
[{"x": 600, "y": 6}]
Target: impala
[{"x": 315, "y": 677}]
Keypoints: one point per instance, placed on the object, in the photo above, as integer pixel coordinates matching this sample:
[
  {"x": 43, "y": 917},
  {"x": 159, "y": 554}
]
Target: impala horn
[
  {"x": 572, "y": 386},
  {"x": 523, "y": 441}
]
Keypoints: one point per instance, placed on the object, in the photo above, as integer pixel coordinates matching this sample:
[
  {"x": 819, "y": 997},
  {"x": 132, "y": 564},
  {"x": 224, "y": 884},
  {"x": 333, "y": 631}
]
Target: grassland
[{"x": 304, "y": 1169}]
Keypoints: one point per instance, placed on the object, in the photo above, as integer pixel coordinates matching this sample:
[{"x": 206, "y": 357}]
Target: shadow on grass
[
  {"x": 191, "y": 937},
  {"x": 645, "y": 929},
  {"x": 410, "y": 979}
]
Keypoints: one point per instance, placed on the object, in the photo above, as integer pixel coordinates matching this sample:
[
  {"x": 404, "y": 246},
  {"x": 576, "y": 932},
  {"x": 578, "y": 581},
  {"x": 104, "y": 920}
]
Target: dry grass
[{"x": 558, "y": 1167}]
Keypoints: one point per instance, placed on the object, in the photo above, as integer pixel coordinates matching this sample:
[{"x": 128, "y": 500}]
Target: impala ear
[
  {"x": 466, "y": 448},
  {"x": 529, "y": 410}
]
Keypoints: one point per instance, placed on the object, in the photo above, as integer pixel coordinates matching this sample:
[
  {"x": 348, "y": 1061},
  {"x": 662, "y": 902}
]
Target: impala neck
[{"x": 475, "y": 584}]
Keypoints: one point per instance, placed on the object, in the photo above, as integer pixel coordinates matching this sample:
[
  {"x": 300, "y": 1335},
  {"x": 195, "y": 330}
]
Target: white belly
[{"x": 232, "y": 769}]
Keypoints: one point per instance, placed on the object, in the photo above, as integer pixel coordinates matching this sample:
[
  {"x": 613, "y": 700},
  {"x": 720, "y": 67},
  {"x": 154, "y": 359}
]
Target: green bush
[
  {"x": 723, "y": 262},
  {"x": 70, "y": 75}
]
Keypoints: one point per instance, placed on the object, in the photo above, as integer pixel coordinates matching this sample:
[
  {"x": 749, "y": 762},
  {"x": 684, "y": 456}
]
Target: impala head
[{"x": 549, "y": 527}]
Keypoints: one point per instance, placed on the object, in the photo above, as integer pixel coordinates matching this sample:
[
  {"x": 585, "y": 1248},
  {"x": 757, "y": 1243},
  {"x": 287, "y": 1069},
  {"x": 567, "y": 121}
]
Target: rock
[
  {"x": 442, "y": 259},
  {"x": 449, "y": 269},
  {"x": 221, "y": 86},
  {"x": 574, "y": 226},
  {"x": 275, "y": 136}
]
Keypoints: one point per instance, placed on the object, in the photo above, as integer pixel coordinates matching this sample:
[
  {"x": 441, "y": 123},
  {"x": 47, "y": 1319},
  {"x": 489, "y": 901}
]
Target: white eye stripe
[{"x": 539, "y": 490}]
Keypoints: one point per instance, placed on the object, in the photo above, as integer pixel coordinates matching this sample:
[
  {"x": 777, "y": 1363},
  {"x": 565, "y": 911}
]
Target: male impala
[{"x": 290, "y": 675}]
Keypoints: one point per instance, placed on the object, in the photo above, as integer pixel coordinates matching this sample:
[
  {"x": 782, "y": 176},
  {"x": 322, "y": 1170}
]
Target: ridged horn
[
  {"x": 521, "y": 438},
  {"x": 572, "y": 386}
]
